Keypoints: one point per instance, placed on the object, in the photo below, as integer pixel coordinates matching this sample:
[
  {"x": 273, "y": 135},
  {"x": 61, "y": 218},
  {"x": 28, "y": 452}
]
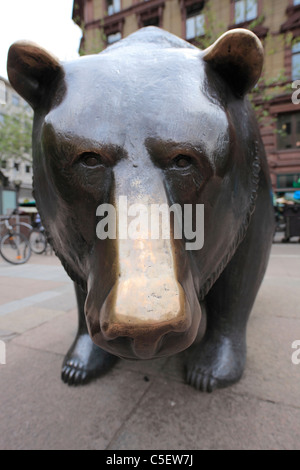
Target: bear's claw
[
  {"x": 85, "y": 361},
  {"x": 73, "y": 373},
  {"x": 202, "y": 381}
]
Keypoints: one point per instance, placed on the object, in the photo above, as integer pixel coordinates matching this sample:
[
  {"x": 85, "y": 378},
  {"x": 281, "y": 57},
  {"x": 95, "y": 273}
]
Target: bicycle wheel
[
  {"x": 15, "y": 248},
  {"x": 38, "y": 242}
]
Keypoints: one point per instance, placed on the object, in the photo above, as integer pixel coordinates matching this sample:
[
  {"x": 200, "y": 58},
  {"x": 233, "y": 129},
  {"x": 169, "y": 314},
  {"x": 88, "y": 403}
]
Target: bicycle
[
  {"x": 14, "y": 245},
  {"x": 38, "y": 240}
]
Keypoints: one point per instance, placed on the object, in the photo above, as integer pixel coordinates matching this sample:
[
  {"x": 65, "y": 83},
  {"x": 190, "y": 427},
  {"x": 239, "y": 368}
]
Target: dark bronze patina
[{"x": 154, "y": 119}]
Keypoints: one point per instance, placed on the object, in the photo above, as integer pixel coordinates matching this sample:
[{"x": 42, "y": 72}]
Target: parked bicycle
[
  {"x": 14, "y": 245},
  {"x": 38, "y": 240}
]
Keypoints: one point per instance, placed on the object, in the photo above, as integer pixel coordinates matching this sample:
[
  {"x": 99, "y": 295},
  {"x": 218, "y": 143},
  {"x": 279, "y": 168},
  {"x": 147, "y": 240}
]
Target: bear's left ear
[
  {"x": 238, "y": 57},
  {"x": 32, "y": 71}
]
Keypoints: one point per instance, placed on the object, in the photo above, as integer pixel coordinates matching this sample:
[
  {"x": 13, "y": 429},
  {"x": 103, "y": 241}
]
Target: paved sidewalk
[{"x": 143, "y": 405}]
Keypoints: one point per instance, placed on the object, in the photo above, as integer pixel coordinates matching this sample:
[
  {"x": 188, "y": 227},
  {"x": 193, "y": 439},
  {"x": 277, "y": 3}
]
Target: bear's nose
[{"x": 146, "y": 302}]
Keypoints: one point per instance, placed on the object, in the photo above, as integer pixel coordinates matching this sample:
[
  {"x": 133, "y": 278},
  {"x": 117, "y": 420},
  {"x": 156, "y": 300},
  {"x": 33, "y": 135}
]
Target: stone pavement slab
[
  {"x": 173, "y": 413},
  {"x": 40, "y": 412},
  {"x": 145, "y": 405}
]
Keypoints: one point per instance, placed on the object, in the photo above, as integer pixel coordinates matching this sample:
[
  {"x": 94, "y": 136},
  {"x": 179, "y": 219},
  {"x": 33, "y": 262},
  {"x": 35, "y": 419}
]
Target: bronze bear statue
[{"x": 156, "y": 120}]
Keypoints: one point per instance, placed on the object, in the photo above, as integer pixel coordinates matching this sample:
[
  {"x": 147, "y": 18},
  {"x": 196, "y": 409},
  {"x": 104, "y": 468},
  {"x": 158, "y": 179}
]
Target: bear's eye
[
  {"x": 182, "y": 161},
  {"x": 91, "y": 159}
]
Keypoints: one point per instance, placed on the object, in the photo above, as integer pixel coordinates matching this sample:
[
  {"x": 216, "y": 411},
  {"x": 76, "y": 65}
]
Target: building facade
[
  {"x": 16, "y": 181},
  {"x": 276, "y": 23}
]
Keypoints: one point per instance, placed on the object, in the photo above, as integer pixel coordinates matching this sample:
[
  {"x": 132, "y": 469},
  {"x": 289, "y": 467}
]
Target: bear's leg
[
  {"x": 84, "y": 360},
  {"x": 219, "y": 360}
]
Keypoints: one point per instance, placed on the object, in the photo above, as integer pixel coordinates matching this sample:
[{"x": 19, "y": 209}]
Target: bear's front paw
[
  {"x": 216, "y": 364},
  {"x": 85, "y": 361}
]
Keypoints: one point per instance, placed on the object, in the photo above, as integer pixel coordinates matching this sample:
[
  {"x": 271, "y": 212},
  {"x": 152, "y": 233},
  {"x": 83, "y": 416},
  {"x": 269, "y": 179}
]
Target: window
[
  {"x": 150, "y": 13},
  {"x": 288, "y": 135},
  {"x": 296, "y": 61},
  {"x": 27, "y": 169},
  {"x": 296, "y": 2},
  {"x": 151, "y": 21},
  {"x": 113, "y": 29},
  {"x": 289, "y": 181},
  {"x": 2, "y": 92},
  {"x": 195, "y": 21},
  {"x": 245, "y": 10},
  {"x": 17, "y": 166},
  {"x": 113, "y": 6},
  {"x": 114, "y": 37},
  {"x": 3, "y": 164}
]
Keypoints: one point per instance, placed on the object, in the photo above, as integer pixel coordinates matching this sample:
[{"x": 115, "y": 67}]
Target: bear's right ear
[{"x": 32, "y": 71}]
